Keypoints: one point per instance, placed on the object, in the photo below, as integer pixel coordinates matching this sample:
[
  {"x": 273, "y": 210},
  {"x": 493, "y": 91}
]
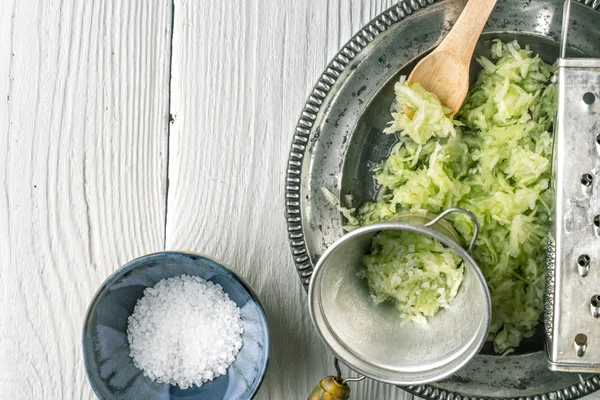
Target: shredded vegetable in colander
[
  {"x": 493, "y": 160},
  {"x": 418, "y": 272}
]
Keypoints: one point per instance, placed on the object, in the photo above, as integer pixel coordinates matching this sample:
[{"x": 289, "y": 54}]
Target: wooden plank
[
  {"x": 241, "y": 73},
  {"x": 83, "y": 140}
]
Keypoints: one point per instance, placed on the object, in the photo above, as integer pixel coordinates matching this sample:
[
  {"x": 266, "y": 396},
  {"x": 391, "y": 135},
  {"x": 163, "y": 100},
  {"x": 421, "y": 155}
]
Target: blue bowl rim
[{"x": 130, "y": 265}]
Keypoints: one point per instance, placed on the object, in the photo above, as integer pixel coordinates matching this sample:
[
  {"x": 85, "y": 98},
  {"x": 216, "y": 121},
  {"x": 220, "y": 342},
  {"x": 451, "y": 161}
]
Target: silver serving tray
[{"x": 339, "y": 138}]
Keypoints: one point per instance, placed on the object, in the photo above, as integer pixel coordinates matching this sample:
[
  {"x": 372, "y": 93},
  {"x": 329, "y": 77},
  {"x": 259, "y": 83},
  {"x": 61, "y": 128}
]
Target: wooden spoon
[{"x": 445, "y": 71}]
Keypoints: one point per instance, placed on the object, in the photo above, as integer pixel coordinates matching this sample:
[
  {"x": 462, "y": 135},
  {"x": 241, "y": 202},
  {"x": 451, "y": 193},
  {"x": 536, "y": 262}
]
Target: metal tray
[{"x": 339, "y": 138}]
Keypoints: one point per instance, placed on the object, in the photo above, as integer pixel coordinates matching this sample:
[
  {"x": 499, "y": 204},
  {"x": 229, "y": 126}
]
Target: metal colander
[{"x": 371, "y": 338}]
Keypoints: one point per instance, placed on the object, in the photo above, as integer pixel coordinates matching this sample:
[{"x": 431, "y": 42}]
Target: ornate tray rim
[{"x": 298, "y": 148}]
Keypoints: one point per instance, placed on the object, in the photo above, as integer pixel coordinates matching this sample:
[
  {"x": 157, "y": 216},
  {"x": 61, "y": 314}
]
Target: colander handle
[
  {"x": 444, "y": 213},
  {"x": 333, "y": 387},
  {"x": 330, "y": 388}
]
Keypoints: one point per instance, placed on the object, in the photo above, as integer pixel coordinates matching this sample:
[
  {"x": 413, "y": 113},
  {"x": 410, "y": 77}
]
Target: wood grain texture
[
  {"x": 85, "y": 155},
  {"x": 241, "y": 71},
  {"x": 83, "y": 140}
]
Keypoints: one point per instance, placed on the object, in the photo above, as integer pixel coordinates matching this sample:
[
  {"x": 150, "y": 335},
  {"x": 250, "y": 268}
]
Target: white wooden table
[{"x": 130, "y": 127}]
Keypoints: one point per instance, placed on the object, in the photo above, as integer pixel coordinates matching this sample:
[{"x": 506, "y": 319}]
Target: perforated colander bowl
[{"x": 371, "y": 338}]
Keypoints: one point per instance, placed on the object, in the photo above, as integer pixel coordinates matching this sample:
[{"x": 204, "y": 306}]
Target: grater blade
[{"x": 572, "y": 315}]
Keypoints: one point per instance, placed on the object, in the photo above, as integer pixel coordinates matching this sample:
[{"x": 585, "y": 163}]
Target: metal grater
[{"x": 572, "y": 316}]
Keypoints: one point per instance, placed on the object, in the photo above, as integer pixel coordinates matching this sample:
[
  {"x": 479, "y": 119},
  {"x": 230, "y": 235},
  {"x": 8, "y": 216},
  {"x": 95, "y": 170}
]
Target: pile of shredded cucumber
[
  {"x": 492, "y": 159},
  {"x": 419, "y": 273}
]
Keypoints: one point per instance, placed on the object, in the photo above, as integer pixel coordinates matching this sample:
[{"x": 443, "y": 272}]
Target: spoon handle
[{"x": 463, "y": 36}]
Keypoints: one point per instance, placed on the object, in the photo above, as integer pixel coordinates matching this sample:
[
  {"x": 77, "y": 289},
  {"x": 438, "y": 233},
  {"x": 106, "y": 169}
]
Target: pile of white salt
[{"x": 184, "y": 331}]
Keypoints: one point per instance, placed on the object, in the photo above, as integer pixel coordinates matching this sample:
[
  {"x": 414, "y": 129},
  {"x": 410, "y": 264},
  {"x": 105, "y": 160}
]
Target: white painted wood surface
[
  {"x": 241, "y": 72},
  {"x": 83, "y": 139},
  {"x": 92, "y": 176}
]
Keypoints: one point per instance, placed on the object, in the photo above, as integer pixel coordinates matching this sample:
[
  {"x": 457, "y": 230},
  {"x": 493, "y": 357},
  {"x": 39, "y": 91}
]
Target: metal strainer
[{"x": 371, "y": 338}]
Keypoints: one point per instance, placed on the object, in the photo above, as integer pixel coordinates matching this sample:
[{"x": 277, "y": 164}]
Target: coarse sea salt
[{"x": 184, "y": 331}]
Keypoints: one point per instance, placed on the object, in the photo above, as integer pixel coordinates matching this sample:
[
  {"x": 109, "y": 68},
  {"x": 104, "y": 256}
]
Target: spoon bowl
[{"x": 445, "y": 71}]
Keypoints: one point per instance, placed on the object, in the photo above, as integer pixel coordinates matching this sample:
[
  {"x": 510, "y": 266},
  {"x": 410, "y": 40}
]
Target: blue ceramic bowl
[{"x": 106, "y": 349}]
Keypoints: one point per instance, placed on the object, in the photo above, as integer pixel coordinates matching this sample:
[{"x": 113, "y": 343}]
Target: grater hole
[
  {"x": 587, "y": 179},
  {"x": 581, "y": 339},
  {"x": 595, "y": 306},
  {"x": 589, "y": 98},
  {"x": 598, "y": 139},
  {"x": 597, "y": 221},
  {"x": 580, "y": 344},
  {"x": 583, "y": 260}
]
